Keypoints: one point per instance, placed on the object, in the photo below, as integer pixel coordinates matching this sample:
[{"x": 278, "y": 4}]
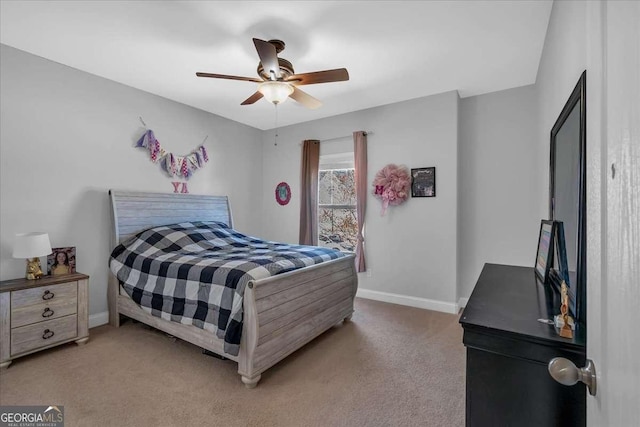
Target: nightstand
[{"x": 42, "y": 313}]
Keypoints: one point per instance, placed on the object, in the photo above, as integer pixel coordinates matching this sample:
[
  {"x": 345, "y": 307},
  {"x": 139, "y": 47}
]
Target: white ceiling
[{"x": 394, "y": 50}]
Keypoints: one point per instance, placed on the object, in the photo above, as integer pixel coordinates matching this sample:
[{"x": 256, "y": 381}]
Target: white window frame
[{"x": 331, "y": 162}]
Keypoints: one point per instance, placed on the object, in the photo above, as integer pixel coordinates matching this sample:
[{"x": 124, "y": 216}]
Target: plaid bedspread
[{"x": 196, "y": 273}]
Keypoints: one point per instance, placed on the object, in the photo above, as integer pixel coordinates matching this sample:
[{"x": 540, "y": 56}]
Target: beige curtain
[
  {"x": 309, "y": 192},
  {"x": 360, "y": 157}
]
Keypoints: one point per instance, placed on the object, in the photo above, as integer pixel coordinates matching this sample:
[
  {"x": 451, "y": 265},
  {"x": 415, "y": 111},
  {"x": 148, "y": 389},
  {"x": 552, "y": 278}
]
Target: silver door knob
[{"x": 566, "y": 373}]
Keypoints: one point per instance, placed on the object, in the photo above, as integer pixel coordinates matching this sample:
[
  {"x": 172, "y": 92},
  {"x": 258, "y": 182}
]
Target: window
[{"x": 337, "y": 220}]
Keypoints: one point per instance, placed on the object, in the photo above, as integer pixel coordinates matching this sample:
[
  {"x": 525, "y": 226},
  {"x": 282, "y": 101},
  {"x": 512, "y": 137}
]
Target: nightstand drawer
[
  {"x": 58, "y": 307},
  {"x": 43, "y": 334},
  {"x": 42, "y": 294}
]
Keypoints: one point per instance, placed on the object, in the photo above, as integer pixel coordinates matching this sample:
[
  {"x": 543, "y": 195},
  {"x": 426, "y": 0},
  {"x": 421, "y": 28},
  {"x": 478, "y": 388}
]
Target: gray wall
[
  {"x": 66, "y": 138},
  {"x": 564, "y": 58},
  {"x": 411, "y": 251},
  {"x": 499, "y": 182}
]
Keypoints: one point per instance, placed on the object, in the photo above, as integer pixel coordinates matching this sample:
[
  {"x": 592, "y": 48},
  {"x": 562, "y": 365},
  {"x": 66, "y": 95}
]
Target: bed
[{"x": 281, "y": 313}]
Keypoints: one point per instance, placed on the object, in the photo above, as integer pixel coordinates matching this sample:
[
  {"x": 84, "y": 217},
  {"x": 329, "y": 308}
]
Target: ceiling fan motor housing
[{"x": 286, "y": 68}]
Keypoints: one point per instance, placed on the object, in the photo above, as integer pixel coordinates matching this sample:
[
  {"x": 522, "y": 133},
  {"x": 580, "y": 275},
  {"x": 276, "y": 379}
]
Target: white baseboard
[
  {"x": 98, "y": 319},
  {"x": 462, "y": 302},
  {"x": 429, "y": 304}
]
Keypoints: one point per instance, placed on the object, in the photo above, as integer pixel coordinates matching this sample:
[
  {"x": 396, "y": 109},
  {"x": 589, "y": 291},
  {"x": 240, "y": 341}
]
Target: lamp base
[{"x": 34, "y": 271}]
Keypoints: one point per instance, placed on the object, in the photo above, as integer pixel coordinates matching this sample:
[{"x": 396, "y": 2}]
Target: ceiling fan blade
[
  {"x": 224, "y": 76},
  {"x": 328, "y": 76},
  {"x": 268, "y": 58},
  {"x": 305, "y": 99},
  {"x": 253, "y": 98}
]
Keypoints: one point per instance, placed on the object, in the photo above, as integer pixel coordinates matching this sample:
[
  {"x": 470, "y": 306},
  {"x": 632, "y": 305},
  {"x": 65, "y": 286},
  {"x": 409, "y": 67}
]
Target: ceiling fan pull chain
[{"x": 275, "y": 136}]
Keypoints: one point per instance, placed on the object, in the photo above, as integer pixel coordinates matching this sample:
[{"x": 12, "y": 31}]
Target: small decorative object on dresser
[
  {"x": 566, "y": 330},
  {"x": 32, "y": 246},
  {"x": 36, "y": 315}
]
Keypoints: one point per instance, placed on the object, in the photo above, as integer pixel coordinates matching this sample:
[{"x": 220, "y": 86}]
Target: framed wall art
[{"x": 423, "y": 182}]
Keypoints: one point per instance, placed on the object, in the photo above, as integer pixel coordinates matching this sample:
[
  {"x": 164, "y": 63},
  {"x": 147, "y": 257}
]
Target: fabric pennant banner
[{"x": 173, "y": 165}]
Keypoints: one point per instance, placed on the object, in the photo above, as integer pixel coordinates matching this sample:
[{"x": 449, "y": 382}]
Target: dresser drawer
[
  {"x": 43, "y": 334},
  {"x": 57, "y": 307},
  {"x": 42, "y": 294}
]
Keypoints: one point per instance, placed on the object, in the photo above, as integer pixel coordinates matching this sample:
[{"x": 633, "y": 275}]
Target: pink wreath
[{"x": 391, "y": 185}]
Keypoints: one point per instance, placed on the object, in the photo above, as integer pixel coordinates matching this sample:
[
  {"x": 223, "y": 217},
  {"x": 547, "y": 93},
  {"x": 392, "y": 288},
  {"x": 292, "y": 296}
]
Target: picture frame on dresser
[
  {"x": 544, "y": 254},
  {"x": 560, "y": 258}
]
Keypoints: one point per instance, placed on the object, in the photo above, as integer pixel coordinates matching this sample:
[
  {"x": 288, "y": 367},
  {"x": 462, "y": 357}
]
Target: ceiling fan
[{"x": 278, "y": 81}]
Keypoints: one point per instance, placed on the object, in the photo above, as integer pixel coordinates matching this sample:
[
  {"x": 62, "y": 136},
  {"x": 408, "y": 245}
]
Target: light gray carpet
[{"x": 391, "y": 366}]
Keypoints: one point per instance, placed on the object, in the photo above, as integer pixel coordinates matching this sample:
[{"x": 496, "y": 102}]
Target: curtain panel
[
  {"x": 309, "y": 192},
  {"x": 360, "y": 161}
]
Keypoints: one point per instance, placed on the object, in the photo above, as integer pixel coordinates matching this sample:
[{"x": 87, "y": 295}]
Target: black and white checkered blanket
[{"x": 196, "y": 273}]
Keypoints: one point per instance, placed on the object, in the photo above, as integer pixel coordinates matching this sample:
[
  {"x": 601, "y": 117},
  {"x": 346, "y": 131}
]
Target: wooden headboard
[{"x": 136, "y": 211}]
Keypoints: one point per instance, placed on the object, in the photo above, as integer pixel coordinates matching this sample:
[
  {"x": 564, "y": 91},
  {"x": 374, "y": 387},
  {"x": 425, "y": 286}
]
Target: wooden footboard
[{"x": 282, "y": 313}]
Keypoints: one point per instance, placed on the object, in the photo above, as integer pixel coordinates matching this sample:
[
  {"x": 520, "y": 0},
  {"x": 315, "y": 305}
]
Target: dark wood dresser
[{"x": 508, "y": 351}]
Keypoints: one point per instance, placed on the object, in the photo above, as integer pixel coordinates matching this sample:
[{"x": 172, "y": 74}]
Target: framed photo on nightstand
[{"x": 61, "y": 261}]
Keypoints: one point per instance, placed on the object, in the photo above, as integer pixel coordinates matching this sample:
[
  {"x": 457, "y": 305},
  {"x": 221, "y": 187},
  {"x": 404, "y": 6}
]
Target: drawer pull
[
  {"x": 48, "y": 295},
  {"x": 47, "y": 334},
  {"x": 47, "y": 312}
]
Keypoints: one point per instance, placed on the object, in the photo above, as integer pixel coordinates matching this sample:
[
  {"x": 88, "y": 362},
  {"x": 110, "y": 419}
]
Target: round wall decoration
[
  {"x": 283, "y": 193},
  {"x": 391, "y": 185}
]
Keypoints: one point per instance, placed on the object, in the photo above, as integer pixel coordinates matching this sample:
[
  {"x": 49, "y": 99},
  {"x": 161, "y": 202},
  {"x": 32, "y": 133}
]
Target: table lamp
[{"x": 32, "y": 246}]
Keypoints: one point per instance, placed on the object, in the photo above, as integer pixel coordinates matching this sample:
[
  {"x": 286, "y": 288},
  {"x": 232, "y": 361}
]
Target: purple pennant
[
  {"x": 164, "y": 164},
  {"x": 147, "y": 138},
  {"x": 151, "y": 137},
  {"x": 141, "y": 141}
]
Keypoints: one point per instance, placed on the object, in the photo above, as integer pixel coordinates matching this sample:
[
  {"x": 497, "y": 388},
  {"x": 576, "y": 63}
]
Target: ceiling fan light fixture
[{"x": 275, "y": 92}]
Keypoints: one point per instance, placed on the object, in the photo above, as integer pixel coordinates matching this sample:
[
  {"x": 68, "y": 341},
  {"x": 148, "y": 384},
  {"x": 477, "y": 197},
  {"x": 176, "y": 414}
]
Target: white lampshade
[
  {"x": 31, "y": 245},
  {"x": 275, "y": 92}
]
